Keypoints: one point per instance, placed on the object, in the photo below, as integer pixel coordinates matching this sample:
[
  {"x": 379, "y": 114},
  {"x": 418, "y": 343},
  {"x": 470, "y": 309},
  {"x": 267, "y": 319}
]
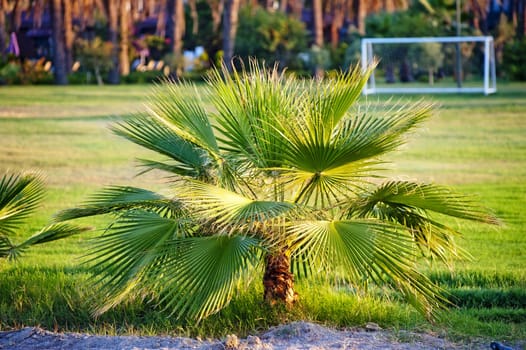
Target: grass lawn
[{"x": 475, "y": 143}]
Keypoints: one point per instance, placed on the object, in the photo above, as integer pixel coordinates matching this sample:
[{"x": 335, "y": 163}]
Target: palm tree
[
  {"x": 317, "y": 11},
  {"x": 230, "y": 22},
  {"x": 113, "y": 30},
  {"x": 59, "y": 50},
  {"x": 20, "y": 195},
  {"x": 69, "y": 35},
  {"x": 124, "y": 17},
  {"x": 282, "y": 179},
  {"x": 3, "y": 32}
]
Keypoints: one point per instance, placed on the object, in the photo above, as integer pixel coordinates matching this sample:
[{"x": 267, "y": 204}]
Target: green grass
[{"x": 475, "y": 143}]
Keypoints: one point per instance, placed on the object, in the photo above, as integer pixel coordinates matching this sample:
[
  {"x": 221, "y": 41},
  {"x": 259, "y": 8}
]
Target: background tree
[
  {"x": 59, "y": 54},
  {"x": 124, "y": 26},
  {"x": 113, "y": 28},
  {"x": 317, "y": 10},
  {"x": 95, "y": 57},
  {"x": 430, "y": 56},
  {"x": 230, "y": 23},
  {"x": 3, "y": 33},
  {"x": 271, "y": 37}
]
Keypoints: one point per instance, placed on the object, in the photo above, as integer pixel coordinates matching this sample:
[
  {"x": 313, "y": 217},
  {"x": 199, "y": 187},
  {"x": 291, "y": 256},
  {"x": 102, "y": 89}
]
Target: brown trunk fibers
[{"x": 278, "y": 281}]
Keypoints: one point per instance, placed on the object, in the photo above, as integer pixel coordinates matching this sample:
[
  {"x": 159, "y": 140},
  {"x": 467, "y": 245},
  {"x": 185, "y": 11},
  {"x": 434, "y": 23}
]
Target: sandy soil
[{"x": 297, "y": 335}]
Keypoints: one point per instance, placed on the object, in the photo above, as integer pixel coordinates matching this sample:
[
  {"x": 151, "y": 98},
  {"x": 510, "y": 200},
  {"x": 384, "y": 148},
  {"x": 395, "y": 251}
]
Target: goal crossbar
[{"x": 489, "y": 77}]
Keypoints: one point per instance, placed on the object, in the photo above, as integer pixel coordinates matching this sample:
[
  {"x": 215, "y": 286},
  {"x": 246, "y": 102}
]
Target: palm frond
[
  {"x": 187, "y": 158},
  {"x": 184, "y": 114},
  {"x": 408, "y": 204},
  {"x": 133, "y": 244},
  {"x": 202, "y": 276},
  {"x": 19, "y": 197},
  {"x": 227, "y": 208},
  {"x": 6, "y": 246},
  {"x": 249, "y": 105},
  {"x": 333, "y": 97},
  {"x": 327, "y": 164},
  {"x": 428, "y": 197},
  {"x": 367, "y": 249},
  {"x": 115, "y": 199},
  {"x": 47, "y": 234}
]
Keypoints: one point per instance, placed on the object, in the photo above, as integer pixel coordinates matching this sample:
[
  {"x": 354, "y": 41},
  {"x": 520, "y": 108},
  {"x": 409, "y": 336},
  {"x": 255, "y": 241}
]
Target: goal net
[{"x": 430, "y": 65}]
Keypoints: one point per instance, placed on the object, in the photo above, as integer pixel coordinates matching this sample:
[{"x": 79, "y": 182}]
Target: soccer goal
[{"x": 430, "y": 65}]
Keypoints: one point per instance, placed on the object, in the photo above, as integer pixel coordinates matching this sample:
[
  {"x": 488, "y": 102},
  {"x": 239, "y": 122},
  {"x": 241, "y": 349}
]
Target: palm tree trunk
[
  {"x": 317, "y": 10},
  {"x": 194, "y": 16},
  {"x": 216, "y": 6},
  {"x": 278, "y": 281},
  {"x": 297, "y": 8},
  {"x": 124, "y": 59},
  {"x": 337, "y": 22},
  {"x": 3, "y": 33},
  {"x": 69, "y": 35},
  {"x": 113, "y": 24},
  {"x": 230, "y": 17},
  {"x": 179, "y": 27},
  {"x": 161, "y": 20},
  {"x": 59, "y": 56},
  {"x": 362, "y": 13}
]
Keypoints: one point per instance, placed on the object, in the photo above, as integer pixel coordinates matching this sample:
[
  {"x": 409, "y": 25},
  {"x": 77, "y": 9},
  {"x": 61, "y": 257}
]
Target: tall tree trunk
[
  {"x": 194, "y": 16},
  {"x": 389, "y": 6},
  {"x": 362, "y": 13},
  {"x": 161, "y": 19},
  {"x": 337, "y": 22},
  {"x": 216, "y": 7},
  {"x": 3, "y": 33},
  {"x": 179, "y": 27},
  {"x": 59, "y": 56},
  {"x": 283, "y": 6},
  {"x": 124, "y": 59},
  {"x": 278, "y": 281},
  {"x": 113, "y": 26},
  {"x": 521, "y": 19},
  {"x": 38, "y": 12},
  {"x": 230, "y": 18},
  {"x": 317, "y": 10},
  {"x": 297, "y": 8},
  {"x": 69, "y": 35}
]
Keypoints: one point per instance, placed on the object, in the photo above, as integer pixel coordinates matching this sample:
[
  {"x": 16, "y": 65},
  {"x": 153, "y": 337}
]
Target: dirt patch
[{"x": 297, "y": 335}]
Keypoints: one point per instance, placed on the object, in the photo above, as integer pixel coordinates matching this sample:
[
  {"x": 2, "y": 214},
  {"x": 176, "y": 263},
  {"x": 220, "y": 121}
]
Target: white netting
[{"x": 430, "y": 65}]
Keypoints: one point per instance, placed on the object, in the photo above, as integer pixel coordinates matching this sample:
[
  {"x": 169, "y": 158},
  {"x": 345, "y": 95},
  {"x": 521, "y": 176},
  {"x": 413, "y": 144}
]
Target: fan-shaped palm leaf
[
  {"x": 19, "y": 197},
  {"x": 332, "y": 98},
  {"x": 229, "y": 209},
  {"x": 407, "y": 203},
  {"x": 132, "y": 246},
  {"x": 336, "y": 163},
  {"x": 435, "y": 198},
  {"x": 202, "y": 275},
  {"x": 248, "y": 107},
  {"x": 47, "y": 234},
  {"x": 368, "y": 249},
  {"x": 183, "y": 115},
  {"x": 186, "y": 158},
  {"x": 116, "y": 199}
]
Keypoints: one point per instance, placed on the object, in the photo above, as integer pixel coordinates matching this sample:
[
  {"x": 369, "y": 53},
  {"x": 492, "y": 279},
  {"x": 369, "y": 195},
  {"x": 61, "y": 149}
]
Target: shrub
[{"x": 515, "y": 60}]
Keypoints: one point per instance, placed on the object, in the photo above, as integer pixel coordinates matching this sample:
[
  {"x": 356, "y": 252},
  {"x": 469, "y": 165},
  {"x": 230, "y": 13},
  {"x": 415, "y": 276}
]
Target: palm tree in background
[
  {"x": 230, "y": 23},
  {"x": 59, "y": 46},
  {"x": 283, "y": 179}
]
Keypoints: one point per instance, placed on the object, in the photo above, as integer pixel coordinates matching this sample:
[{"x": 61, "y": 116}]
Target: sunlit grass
[{"x": 475, "y": 143}]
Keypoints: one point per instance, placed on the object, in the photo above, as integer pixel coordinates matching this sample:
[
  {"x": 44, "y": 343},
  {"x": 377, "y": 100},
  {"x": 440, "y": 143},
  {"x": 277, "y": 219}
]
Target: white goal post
[{"x": 371, "y": 49}]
